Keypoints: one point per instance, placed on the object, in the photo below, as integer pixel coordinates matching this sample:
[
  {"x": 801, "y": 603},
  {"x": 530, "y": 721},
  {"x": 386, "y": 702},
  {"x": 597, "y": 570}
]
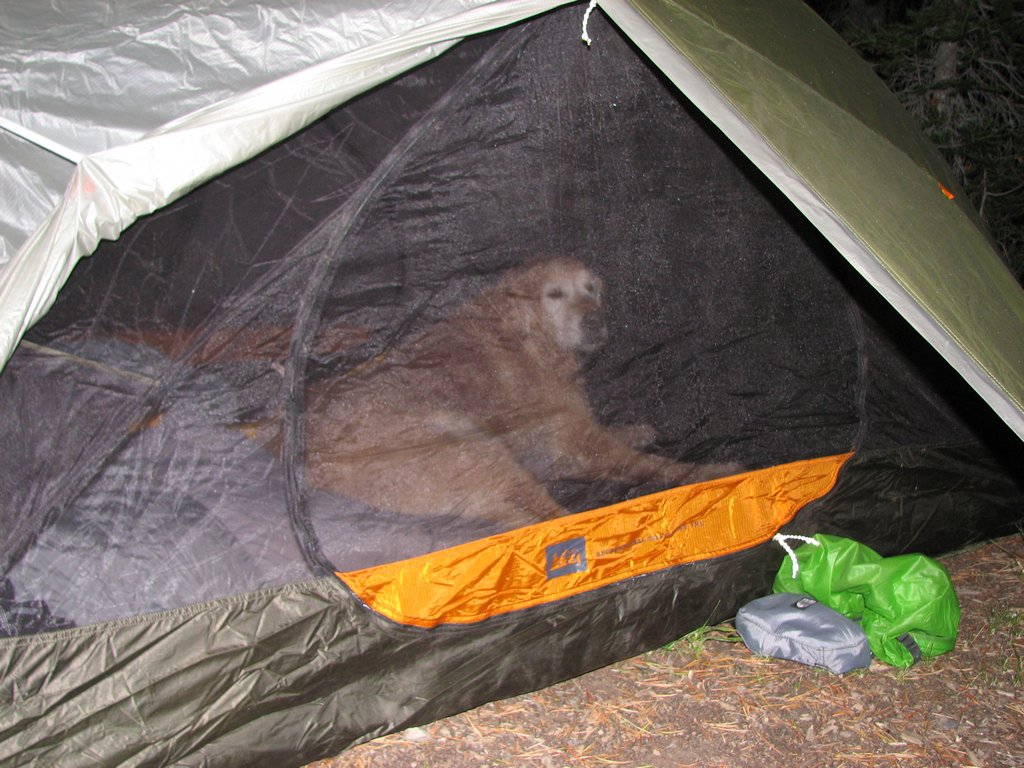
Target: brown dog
[{"x": 471, "y": 417}]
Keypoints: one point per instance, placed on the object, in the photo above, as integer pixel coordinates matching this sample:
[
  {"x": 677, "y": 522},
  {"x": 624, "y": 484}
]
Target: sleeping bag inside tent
[{"x": 502, "y": 371}]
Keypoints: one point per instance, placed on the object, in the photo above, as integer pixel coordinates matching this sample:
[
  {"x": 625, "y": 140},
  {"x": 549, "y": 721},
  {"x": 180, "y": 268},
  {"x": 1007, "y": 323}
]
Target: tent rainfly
[{"x": 365, "y": 362}]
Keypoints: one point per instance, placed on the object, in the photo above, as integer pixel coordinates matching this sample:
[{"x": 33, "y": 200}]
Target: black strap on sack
[{"x": 911, "y": 645}]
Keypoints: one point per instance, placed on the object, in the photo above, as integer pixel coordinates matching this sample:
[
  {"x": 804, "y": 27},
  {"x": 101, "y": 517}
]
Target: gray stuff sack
[{"x": 799, "y": 628}]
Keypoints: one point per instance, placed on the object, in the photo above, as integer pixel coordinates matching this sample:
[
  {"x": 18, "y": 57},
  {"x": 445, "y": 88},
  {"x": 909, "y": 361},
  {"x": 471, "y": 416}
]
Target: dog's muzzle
[{"x": 593, "y": 331}]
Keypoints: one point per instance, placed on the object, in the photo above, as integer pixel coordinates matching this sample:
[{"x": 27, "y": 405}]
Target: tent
[{"x": 793, "y": 282}]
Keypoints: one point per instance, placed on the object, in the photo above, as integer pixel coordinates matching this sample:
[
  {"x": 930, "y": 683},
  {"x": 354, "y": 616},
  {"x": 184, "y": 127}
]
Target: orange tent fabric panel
[{"x": 559, "y": 558}]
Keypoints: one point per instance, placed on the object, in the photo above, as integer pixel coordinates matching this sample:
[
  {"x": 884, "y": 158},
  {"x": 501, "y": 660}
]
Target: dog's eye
[
  {"x": 555, "y": 293},
  {"x": 589, "y": 288}
]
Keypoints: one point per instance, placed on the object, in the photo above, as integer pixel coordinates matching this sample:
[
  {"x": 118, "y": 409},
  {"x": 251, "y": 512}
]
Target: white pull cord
[
  {"x": 586, "y": 20},
  {"x": 781, "y": 538}
]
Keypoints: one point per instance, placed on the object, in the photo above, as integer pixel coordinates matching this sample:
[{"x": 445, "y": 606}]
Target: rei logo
[{"x": 567, "y": 557}]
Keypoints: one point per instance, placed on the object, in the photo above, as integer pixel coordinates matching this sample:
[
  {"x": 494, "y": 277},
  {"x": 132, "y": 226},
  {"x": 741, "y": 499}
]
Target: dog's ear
[
  {"x": 522, "y": 314},
  {"x": 514, "y": 303}
]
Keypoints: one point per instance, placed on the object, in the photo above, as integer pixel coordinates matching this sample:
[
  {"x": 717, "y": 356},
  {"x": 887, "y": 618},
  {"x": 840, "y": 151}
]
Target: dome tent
[{"x": 161, "y": 609}]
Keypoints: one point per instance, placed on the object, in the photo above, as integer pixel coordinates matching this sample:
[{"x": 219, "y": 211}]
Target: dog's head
[{"x": 566, "y": 301}]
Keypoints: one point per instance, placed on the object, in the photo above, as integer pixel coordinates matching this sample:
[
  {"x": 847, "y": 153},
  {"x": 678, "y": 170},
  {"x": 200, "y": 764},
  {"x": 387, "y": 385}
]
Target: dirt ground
[{"x": 707, "y": 701}]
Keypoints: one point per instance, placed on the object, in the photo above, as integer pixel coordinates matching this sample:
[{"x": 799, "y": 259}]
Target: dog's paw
[
  {"x": 712, "y": 471},
  {"x": 731, "y": 468},
  {"x": 635, "y": 435},
  {"x": 678, "y": 473}
]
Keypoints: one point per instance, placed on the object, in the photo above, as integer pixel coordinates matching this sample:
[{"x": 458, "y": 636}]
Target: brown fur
[
  {"x": 234, "y": 345},
  {"x": 471, "y": 417}
]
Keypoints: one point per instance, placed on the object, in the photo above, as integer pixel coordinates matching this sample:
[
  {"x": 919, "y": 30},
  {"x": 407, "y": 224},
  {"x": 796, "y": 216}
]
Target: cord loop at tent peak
[{"x": 586, "y": 21}]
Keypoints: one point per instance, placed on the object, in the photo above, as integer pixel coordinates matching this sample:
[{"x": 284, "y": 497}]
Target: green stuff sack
[{"x": 906, "y": 604}]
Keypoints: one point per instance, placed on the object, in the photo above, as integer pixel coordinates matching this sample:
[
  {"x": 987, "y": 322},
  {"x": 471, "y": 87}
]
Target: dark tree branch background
[{"x": 958, "y": 66}]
